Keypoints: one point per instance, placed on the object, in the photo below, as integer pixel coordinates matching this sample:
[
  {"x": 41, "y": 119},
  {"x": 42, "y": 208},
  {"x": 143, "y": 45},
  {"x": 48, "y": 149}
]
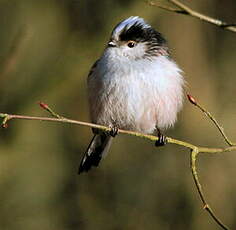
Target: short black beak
[{"x": 111, "y": 44}]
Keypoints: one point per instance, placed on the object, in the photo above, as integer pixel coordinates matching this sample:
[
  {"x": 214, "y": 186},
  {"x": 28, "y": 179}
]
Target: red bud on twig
[
  {"x": 43, "y": 105},
  {"x": 191, "y": 99}
]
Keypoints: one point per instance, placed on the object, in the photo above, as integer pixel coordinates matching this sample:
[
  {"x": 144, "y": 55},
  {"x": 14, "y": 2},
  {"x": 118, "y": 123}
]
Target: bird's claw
[
  {"x": 162, "y": 140},
  {"x": 114, "y": 131}
]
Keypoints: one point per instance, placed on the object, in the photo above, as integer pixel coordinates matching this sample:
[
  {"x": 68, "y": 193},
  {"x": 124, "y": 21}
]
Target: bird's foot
[
  {"x": 114, "y": 130},
  {"x": 162, "y": 140}
]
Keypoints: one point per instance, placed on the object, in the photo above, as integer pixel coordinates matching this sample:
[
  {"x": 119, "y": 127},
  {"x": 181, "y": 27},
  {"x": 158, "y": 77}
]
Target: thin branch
[
  {"x": 48, "y": 109},
  {"x": 212, "y": 118},
  {"x": 183, "y": 9},
  {"x": 206, "y": 206},
  {"x": 7, "y": 117}
]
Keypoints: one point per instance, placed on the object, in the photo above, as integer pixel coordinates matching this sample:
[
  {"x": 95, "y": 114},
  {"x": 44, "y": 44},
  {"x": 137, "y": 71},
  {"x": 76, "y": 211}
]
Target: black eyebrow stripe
[
  {"x": 135, "y": 32},
  {"x": 139, "y": 33}
]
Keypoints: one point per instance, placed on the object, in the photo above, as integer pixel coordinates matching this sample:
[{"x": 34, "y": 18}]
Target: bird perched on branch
[{"x": 135, "y": 85}]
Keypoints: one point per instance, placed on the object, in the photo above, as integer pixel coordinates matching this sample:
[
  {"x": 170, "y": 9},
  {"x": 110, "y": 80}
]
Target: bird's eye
[{"x": 131, "y": 44}]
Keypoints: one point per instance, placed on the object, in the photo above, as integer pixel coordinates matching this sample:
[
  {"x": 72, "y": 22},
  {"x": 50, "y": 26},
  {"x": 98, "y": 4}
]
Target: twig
[
  {"x": 7, "y": 117},
  {"x": 193, "y": 158},
  {"x": 212, "y": 118},
  {"x": 206, "y": 206},
  {"x": 183, "y": 9},
  {"x": 48, "y": 109}
]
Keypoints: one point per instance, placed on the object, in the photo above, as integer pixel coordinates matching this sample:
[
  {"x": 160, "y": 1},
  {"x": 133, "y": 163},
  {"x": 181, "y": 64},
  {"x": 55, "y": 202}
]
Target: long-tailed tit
[{"x": 134, "y": 85}]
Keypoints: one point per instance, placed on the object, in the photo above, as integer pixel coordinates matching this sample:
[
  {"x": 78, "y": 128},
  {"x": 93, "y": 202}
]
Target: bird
[{"x": 135, "y": 85}]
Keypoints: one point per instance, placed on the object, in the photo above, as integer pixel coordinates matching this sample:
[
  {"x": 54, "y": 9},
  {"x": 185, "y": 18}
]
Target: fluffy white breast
[{"x": 137, "y": 95}]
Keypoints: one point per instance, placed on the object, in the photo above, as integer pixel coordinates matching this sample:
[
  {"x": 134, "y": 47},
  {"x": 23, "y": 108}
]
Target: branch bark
[
  {"x": 7, "y": 117},
  {"x": 183, "y": 9}
]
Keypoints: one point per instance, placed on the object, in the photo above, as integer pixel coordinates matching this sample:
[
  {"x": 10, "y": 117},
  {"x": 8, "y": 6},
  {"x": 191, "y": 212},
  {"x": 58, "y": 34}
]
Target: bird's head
[{"x": 135, "y": 39}]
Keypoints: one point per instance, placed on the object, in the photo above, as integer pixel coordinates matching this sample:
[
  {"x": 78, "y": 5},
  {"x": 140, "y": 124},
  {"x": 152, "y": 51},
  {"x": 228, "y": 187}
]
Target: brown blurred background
[{"x": 47, "y": 48}]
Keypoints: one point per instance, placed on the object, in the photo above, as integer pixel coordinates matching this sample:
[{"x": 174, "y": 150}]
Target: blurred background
[{"x": 47, "y": 48}]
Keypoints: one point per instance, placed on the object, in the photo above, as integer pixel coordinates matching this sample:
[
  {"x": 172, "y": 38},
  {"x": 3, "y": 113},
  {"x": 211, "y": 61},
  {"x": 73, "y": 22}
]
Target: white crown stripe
[{"x": 127, "y": 23}]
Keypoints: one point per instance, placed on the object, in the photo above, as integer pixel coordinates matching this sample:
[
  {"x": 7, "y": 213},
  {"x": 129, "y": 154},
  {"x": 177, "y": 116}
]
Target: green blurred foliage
[{"x": 47, "y": 48}]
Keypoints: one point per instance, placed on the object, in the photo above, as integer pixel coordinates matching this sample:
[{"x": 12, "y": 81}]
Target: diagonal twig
[
  {"x": 183, "y": 9},
  {"x": 212, "y": 118},
  {"x": 206, "y": 206}
]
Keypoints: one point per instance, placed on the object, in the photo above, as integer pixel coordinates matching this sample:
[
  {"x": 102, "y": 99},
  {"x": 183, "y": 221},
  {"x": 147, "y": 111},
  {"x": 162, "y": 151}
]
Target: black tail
[{"x": 97, "y": 149}]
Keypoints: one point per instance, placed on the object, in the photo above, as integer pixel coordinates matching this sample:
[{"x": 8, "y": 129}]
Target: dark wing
[{"x": 93, "y": 68}]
